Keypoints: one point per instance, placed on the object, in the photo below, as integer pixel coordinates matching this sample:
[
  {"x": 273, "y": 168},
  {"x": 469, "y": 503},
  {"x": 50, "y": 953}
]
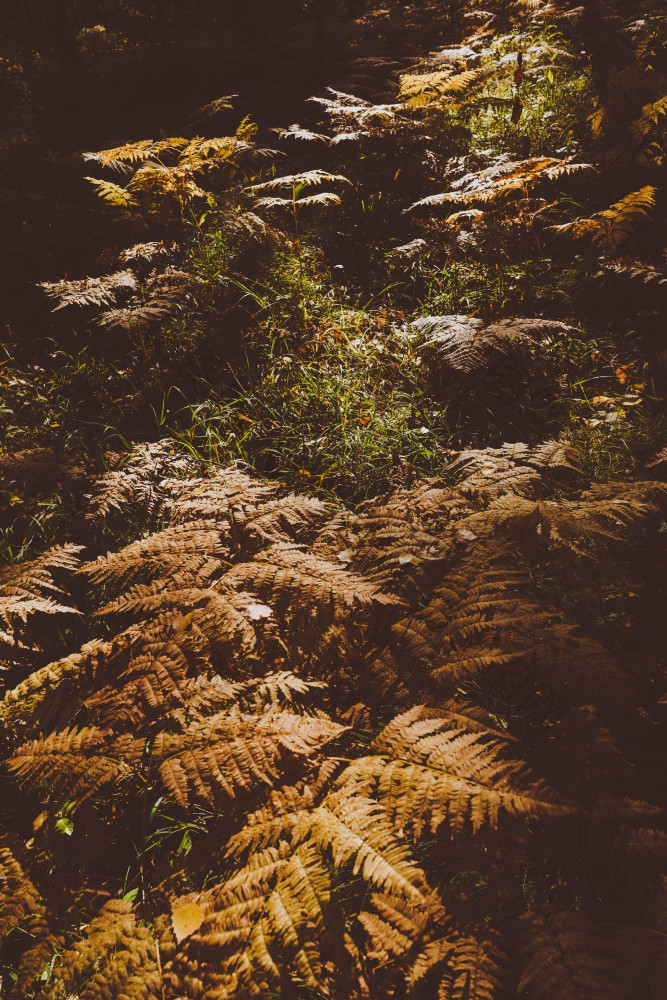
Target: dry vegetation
[{"x": 348, "y": 680}]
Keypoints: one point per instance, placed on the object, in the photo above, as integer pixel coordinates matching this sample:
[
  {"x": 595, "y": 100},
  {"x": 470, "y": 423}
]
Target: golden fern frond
[
  {"x": 429, "y": 775},
  {"x": 268, "y": 917},
  {"x": 358, "y": 831},
  {"x": 181, "y": 546},
  {"x": 469, "y": 969},
  {"x": 149, "y": 672},
  {"x": 460, "y": 713},
  {"x": 640, "y": 130},
  {"x": 231, "y": 752},
  {"x": 121, "y": 157},
  {"x": 638, "y": 845},
  {"x": 113, "y": 194},
  {"x": 34, "y": 578},
  {"x": 27, "y": 591},
  {"x": 605, "y": 518},
  {"x": 116, "y": 958},
  {"x": 395, "y": 925},
  {"x": 481, "y": 618},
  {"x": 291, "y": 518},
  {"x": 156, "y": 186},
  {"x": 137, "y": 483},
  {"x": 420, "y": 90},
  {"x": 204, "y": 153},
  {"x": 285, "y": 818},
  {"x": 517, "y": 469},
  {"x": 38, "y": 699},
  {"x": 74, "y": 764},
  {"x": 302, "y": 586},
  {"x": 19, "y": 899},
  {"x": 503, "y": 179},
  {"x": 393, "y": 540},
  {"x": 90, "y": 291},
  {"x": 348, "y": 826},
  {"x": 616, "y": 225},
  {"x": 221, "y": 494}
]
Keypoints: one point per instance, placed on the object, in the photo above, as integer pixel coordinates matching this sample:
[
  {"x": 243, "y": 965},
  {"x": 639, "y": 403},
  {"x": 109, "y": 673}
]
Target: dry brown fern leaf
[
  {"x": 567, "y": 958},
  {"x": 160, "y": 296},
  {"x": 195, "y": 548},
  {"x": 304, "y": 587},
  {"x": 169, "y": 666},
  {"x": 604, "y": 521},
  {"x": 27, "y": 591},
  {"x": 215, "y": 758},
  {"x": 506, "y": 352},
  {"x": 393, "y": 541},
  {"x": 516, "y": 469},
  {"x": 136, "y": 484},
  {"x": 428, "y": 775},
  {"x": 423, "y": 947},
  {"x": 267, "y": 922},
  {"x": 482, "y": 621},
  {"x": 467, "y": 968},
  {"x": 23, "y": 909},
  {"x": 117, "y": 957},
  {"x": 20, "y": 901}
]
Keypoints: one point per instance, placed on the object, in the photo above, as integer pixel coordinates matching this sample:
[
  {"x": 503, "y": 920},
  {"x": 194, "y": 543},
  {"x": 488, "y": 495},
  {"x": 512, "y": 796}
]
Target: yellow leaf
[{"x": 186, "y": 919}]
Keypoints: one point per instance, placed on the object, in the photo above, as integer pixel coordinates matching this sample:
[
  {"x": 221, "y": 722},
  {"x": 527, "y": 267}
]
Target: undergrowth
[{"x": 349, "y": 680}]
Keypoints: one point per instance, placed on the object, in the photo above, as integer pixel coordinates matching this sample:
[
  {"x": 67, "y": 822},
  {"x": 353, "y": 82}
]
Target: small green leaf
[{"x": 65, "y": 825}]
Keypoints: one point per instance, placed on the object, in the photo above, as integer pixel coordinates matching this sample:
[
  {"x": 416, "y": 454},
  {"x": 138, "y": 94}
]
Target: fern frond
[
  {"x": 307, "y": 178},
  {"x": 617, "y": 225},
  {"x": 481, "y": 618},
  {"x": 500, "y": 180},
  {"x": 346, "y": 110},
  {"x": 120, "y": 157},
  {"x": 113, "y": 194},
  {"x": 196, "y": 543},
  {"x": 116, "y": 958},
  {"x": 469, "y": 969},
  {"x": 137, "y": 483},
  {"x": 285, "y": 818},
  {"x": 425, "y": 89},
  {"x": 433, "y": 776},
  {"x": 517, "y": 469},
  {"x": 567, "y": 958},
  {"x": 19, "y": 899},
  {"x": 28, "y": 589},
  {"x": 90, "y": 291},
  {"x": 231, "y": 752},
  {"x": 227, "y": 494},
  {"x": 358, "y": 831},
  {"x": 162, "y": 295},
  {"x": 304, "y": 586},
  {"x": 297, "y": 132},
  {"x": 74, "y": 764},
  {"x": 465, "y": 345},
  {"x": 267, "y": 917}
]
